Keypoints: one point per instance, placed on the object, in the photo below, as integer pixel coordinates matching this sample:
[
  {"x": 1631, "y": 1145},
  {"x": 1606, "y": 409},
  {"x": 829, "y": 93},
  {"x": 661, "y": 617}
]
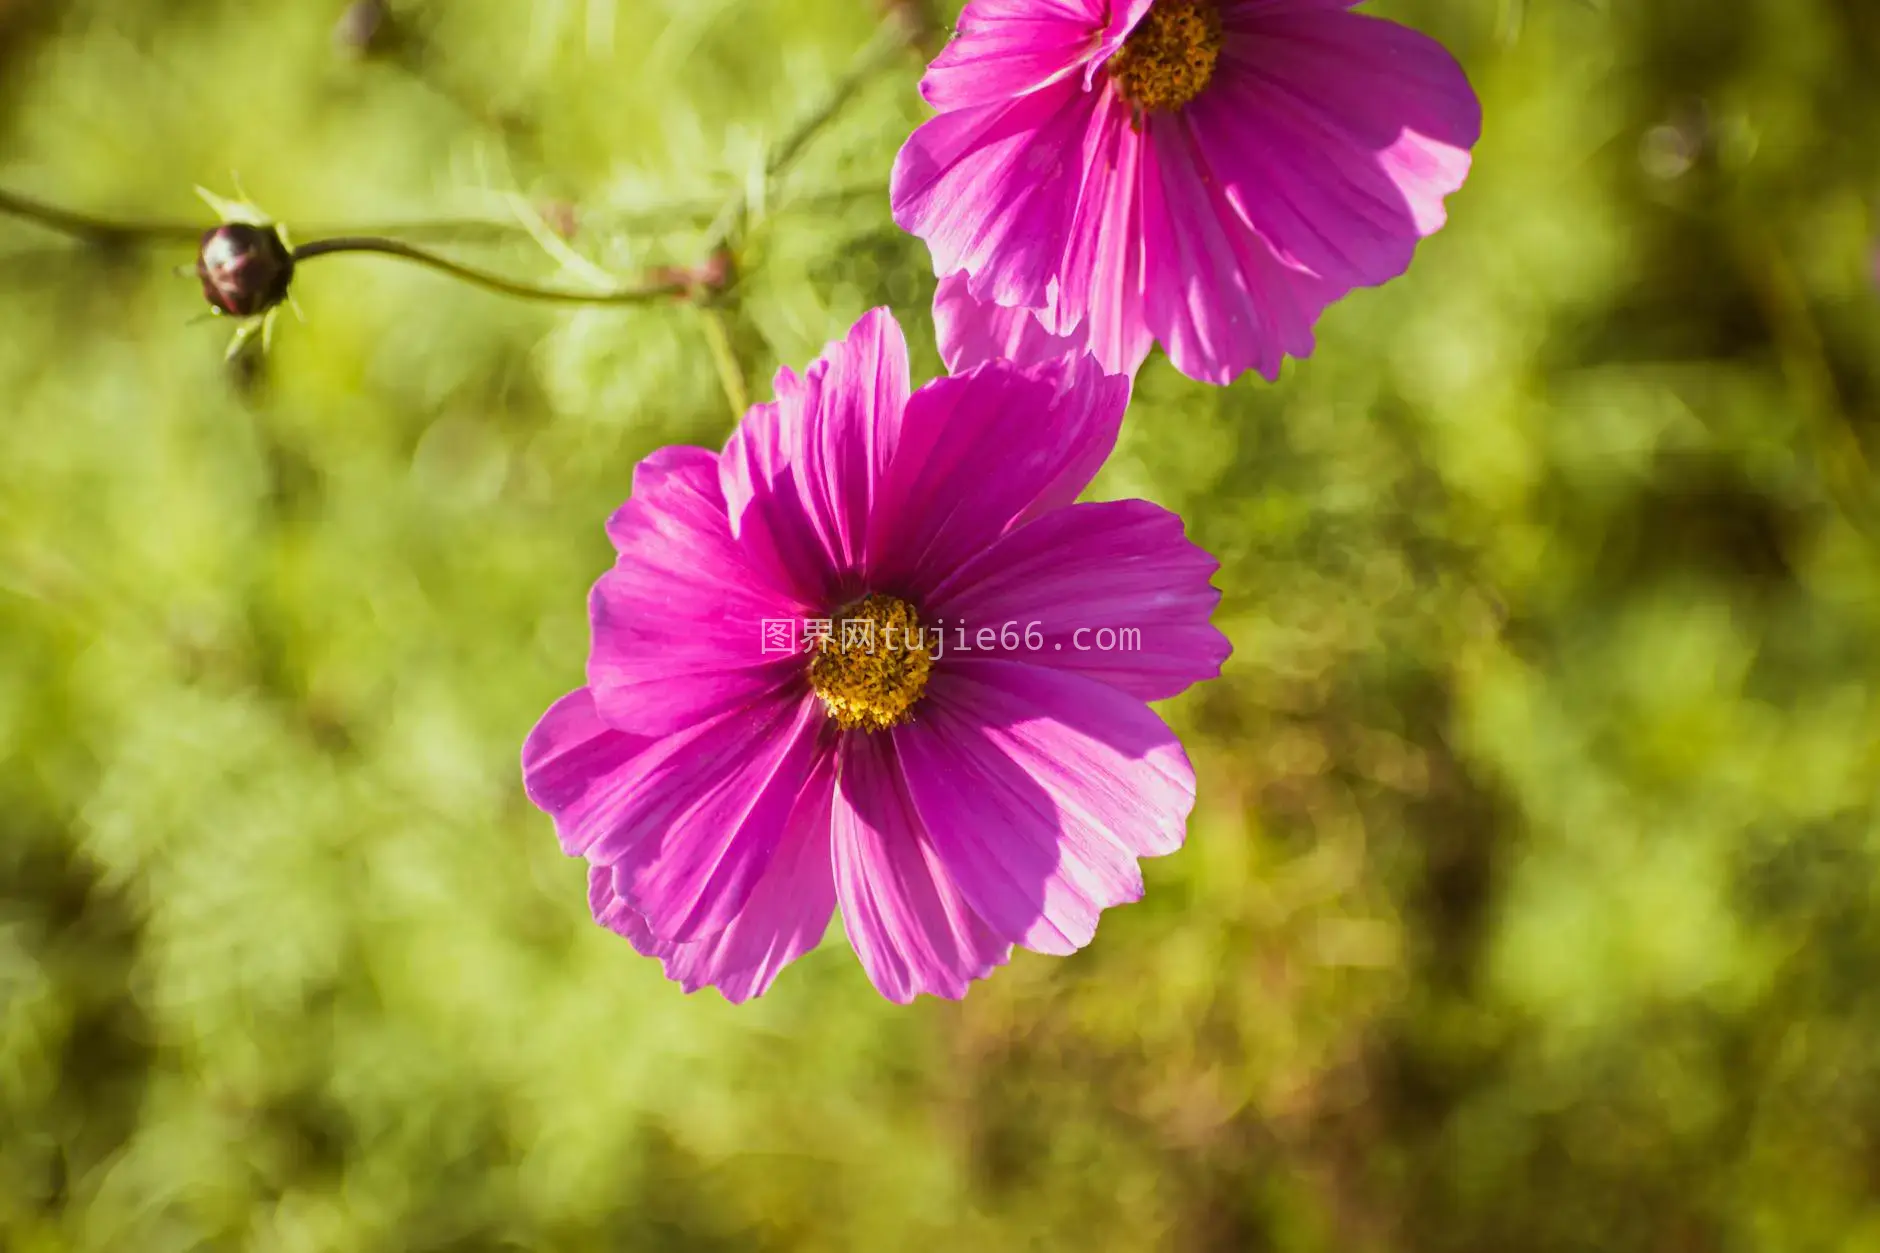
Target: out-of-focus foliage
[{"x": 1530, "y": 902}]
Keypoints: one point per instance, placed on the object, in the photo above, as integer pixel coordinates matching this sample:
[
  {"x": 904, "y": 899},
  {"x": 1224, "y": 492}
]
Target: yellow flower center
[
  {"x": 1169, "y": 58},
  {"x": 872, "y": 666}
]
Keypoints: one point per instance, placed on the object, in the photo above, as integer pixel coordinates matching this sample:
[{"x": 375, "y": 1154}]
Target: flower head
[
  {"x": 1207, "y": 174},
  {"x": 871, "y": 656},
  {"x": 245, "y": 269}
]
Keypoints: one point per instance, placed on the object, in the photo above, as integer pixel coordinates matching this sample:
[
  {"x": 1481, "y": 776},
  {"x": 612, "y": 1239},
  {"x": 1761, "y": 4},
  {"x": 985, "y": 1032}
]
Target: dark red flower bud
[{"x": 244, "y": 269}]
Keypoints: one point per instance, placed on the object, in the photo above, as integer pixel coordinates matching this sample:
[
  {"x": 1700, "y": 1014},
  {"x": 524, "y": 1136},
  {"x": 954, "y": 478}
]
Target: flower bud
[{"x": 245, "y": 269}]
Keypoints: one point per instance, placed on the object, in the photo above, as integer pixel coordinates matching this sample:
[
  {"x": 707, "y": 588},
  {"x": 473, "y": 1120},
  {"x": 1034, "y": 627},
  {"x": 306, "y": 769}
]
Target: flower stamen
[
  {"x": 1169, "y": 58},
  {"x": 872, "y": 667}
]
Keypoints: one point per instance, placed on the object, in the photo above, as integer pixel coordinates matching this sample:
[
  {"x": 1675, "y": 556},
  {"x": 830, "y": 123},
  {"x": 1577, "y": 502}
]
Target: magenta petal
[
  {"x": 972, "y": 331},
  {"x": 992, "y": 190},
  {"x": 906, "y": 919},
  {"x": 677, "y": 623},
  {"x": 706, "y": 814},
  {"x": 1102, "y": 287},
  {"x": 1218, "y": 298},
  {"x": 852, "y": 398},
  {"x": 1113, "y": 591},
  {"x": 987, "y": 450},
  {"x": 799, "y": 475},
  {"x": 691, "y": 820},
  {"x": 1124, "y": 14},
  {"x": 569, "y": 763},
  {"x": 1365, "y": 126},
  {"x": 716, "y": 786},
  {"x": 1039, "y": 790},
  {"x": 1005, "y": 48},
  {"x": 767, "y": 513},
  {"x": 785, "y": 917}
]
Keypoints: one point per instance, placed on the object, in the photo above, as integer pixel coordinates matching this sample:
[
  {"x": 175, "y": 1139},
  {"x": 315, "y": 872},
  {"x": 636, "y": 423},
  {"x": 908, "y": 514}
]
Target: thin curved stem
[
  {"x": 725, "y": 360},
  {"x": 684, "y": 215},
  {"x": 652, "y": 220},
  {"x": 483, "y": 278},
  {"x": 96, "y": 229}
]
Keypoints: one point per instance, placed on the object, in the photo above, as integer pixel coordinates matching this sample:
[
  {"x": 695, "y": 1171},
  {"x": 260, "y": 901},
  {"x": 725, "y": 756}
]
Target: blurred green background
[{"x": 1530, "y": 899}]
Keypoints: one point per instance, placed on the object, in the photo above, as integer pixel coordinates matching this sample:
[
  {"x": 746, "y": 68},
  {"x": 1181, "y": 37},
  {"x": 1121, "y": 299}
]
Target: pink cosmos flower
[
  {"x": 962, "y": 759},
  {"x": 1209, "y": 174}
]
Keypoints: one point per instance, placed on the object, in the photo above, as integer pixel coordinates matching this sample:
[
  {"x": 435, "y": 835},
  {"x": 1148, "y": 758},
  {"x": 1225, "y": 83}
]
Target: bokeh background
[{"x": 1530, "y": 900}]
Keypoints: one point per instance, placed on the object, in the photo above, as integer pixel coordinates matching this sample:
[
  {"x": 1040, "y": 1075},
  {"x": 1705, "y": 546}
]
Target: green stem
[
  {"x": 658, "y": 219},
  {"x": 652, "y": 221},
  {"x": 730, "y": 370},
  {"x": 483, "y": 278},
  {"x": 96, "y": 229}
]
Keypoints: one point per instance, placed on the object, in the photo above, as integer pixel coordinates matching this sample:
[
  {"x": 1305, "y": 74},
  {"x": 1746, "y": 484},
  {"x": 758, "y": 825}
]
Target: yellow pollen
[
  {"x": 1169, "y": 58},
  {"x": 872, "y": 666}
]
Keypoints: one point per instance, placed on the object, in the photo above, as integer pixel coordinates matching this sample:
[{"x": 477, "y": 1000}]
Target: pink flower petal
[
  {"x": 1124, "y": 14},
  {"x": 689, "y": 820},
  {"x": 568, "y": 761},
  {"x": 1005, "y": 48},
  {"x": 1102, "y": 285},
  {"x": 707, "y": 815},
  {"x": 1120, "y": 572},
  {"x": 1015, "y": 168},
  {"x": 972, "y": 331},
  {"x": 852, "y": 398},
  {"x": 766, "y": 512},
  {"x": 677, "y": 623},
  {"x": 1039, "y": 790},
  {"x": 986, "y": 450},
  {"x": 785, "y": 917},
  {"x": 906, "y": 919},
  {"x": 799, "y": 475},
  {"x": 1365, "y": 127},
  {"x": 1218, "y": 299}
]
